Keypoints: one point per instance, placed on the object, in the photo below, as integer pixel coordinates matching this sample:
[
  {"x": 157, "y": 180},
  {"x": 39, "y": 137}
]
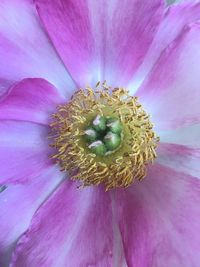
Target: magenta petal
[
  {"x": 101, "y": 39},
  {"x": 18, "y": 203},
  {"x": 159, "y": 220},
  {"x": 24, "y": 151},
  {"x": 32, "y": 100},
  {"x": 171, "y": 93},
  {"x": 73, "y": 228},
  {"x": 132, "y": 25},
  {"x": 25, "y": 48},
  {"x": 69, "y": 27},
  {"x": 174, "y": 22},
  {"x": 186, "y": 158}
]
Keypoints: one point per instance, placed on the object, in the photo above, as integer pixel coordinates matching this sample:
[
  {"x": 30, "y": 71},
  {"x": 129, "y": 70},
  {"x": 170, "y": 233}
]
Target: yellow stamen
[{"x": 127, "y": 163}]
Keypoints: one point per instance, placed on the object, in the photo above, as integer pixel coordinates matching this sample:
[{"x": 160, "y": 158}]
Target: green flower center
[{"x": 104, "y": 135}]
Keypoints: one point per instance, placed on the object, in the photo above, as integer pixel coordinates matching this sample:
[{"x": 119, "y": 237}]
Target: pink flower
[{"x": 50, "y": 48}]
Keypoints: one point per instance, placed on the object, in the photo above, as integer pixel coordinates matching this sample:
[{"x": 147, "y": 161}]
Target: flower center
[{"x": 103, "y": 136}]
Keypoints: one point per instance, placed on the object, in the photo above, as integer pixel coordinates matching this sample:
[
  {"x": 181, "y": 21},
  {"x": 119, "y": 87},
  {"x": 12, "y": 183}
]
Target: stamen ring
[{"x": 112, "y": 121}]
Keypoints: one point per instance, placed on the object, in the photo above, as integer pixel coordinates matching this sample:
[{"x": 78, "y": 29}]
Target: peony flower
[{"x": 86, "y": 179}]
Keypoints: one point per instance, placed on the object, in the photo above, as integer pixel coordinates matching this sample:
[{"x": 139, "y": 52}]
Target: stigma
[{"x": 103, "y": 136}]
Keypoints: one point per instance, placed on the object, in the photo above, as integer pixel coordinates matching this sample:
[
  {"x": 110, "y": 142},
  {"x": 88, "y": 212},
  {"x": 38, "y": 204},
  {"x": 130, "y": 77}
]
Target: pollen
[{"x": 103, "y": 136}]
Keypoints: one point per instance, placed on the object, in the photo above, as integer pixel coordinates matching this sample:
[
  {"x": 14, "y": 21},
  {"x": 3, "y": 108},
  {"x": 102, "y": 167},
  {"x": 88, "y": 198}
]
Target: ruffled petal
[
  {"x": 101, "y": 39},
  {"x": 25, "y": 49},
  {"x": 175, "y": 20},
  {"x": 159, "y": 220},
  {"x": 171, "y": 93},
  {"x": 73, "y": 228},
  {"x": 18, "y": 203},
  {"x": 33, "y": 100},
  {"x": 24, "y": 151}
]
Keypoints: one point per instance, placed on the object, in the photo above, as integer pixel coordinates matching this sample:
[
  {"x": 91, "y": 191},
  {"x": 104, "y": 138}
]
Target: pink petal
[
  {"x": 176, "y": 18},
  {"x": 159, "y": 220},
  {"x": 101, "y": 39},
  {"x": 73, "y": 228},
  {"x": 132, "y": 25},
  {"x": 24, "y": 151},
  {"x": 171, "y": 92},
  {"x": 187, "y": 136},
  {"x": 32, "y": 100},
  {"x": 185, "y": 158},
  {"x": 25, "y": 48},
  {"x": 18, "y": 203}
]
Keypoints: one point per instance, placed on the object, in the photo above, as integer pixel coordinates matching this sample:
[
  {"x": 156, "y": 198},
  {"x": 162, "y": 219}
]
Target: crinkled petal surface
[
  {"x": 26, "y": 50},
  {"x": 101, "y": 39},
  {"x": 159, "y": 219},
  {"x": 171, "y": 93},
  {"x": 73, "y": 228},
  {"x": 18, "y": 203}
]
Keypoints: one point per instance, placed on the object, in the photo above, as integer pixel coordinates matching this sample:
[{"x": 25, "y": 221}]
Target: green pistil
[
  {"x": 114, "y": 125},
  {"x": 91, "y": 135},
  {"x": 112, "y": 141},
  {"x": 98, "y": 148},
  {"x": 99, "y": 123},
  {"x": 104, "y": 135}
]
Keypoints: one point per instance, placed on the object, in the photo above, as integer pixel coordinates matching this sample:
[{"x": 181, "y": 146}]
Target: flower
[{"x": 49, "y": 49}]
